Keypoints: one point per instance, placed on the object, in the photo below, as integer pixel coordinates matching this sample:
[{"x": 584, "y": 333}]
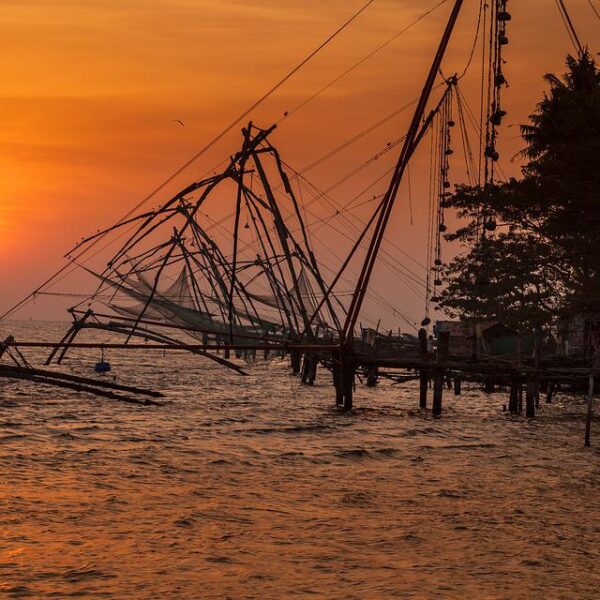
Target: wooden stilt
[
  {"x": 513, "y": 401},
  {"x": 314, "y": 364},
  {"x": 550, "y": 392},
  {"x": 347, "y": 376},
  {"x": 295, "y": 359},
  {"x": 590, "y": 410},
  {"x": 530, "y": 398},
  {"x": 520, "y": 394},
  {"x": 457, "y": 385},
  {"x": 337, "y": 381},
  {"x": 423, "y": 385},
  {"x": 372, "y": 375},
  {"x": 438, "y": 390}
]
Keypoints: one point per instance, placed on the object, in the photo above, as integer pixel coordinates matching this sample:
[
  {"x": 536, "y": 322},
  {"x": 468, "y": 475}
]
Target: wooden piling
[
  {"x": 457, "y": 385},
  {"x": 513, "y": 400},
  {"x": 372, "y": 375},
  {"x": 337, "y": 381},
  {"x": 348, "y": 372},
  {"x": 295, "y": 361},
  {"x": 520, "y": 394},
  {"x": 438, "y": 391},
  {"x": 423, "y": 385},
  {"x": 550, "y": 392},
  {"x": 530, "y": 398},
  {"x": 590, "y": 410}
]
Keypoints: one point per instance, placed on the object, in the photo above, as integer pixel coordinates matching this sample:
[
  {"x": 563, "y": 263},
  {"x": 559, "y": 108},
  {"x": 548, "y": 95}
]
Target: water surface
[{"x": 257, "y": 487}]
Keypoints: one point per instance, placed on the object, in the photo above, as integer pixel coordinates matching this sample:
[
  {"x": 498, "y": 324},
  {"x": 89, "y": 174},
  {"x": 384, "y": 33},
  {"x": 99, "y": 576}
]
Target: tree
[{"x": 531, "y": 247}]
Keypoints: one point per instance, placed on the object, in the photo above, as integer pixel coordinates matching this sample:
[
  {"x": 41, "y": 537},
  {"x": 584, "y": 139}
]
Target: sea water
[{"x": 257, "y": 487}]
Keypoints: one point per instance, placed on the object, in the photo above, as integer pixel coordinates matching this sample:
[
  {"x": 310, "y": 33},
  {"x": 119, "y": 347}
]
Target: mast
[{"x": 392, "y": 192}]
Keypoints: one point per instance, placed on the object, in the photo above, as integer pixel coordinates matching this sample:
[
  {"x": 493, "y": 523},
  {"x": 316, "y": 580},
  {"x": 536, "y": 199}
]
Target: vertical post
[
  {"x": 520, "y": 394},
  {"x": 513, "y": 401},
  {"x": 457, "y": 385},
  {"x": 438, "y": 390},
  {"x": 305, "y": 368},
  {"x": 347, "y": 364},
  {"x": 530, "y": 397},
  {"x": 590, "y": 410},
  {"x": 388, "y": 201},
  {"x": 295, "y": 360},
  {"x": 424, "y": 373},
  {"x": 372, "y": 375},
  {"x": 423, "y": 385},
  {"x": 336, "y": 371},
  {"x": 550, "y": 392}
]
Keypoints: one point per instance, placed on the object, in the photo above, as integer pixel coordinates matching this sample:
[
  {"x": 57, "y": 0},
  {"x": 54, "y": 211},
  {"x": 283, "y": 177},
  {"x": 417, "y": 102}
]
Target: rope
[
  {"x": 210, "y": 144},
  {"x": 566, "y": 19},
  {"x": 596, "y": 11},
  {"x": 361, "y": 61}
]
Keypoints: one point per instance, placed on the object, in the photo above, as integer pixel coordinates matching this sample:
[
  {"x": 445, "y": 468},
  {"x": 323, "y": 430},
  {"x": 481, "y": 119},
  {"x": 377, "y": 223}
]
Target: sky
[{"x": 91, "y": 91}]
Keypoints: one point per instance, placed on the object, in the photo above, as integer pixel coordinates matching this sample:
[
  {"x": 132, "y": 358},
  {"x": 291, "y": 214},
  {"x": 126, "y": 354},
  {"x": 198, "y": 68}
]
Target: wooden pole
[
  {"x": 438, "y": 390},
  {"x": 337, "y": 379},
  {"x": 513, "y": 401},
  {"x": 423, "y": 385},
  {"x": 530, "y": 397},
  {"x": 372, "y": 375},
  {"x": 347, "y": 379},
  {"x": 550, "y": 392},
  {"x": 590, "y": 410},
  {"x": 457, "y": 385},
  {"x": 520, "y": 394},
  {"x": 388, "y": 201}
]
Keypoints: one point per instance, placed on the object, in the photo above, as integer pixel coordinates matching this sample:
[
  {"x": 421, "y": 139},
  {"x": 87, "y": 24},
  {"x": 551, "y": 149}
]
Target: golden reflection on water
[{"x": 259, "y": 489}]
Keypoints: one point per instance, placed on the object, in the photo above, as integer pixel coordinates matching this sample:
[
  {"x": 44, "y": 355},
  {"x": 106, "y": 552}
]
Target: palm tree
[{"x": 565, "y": 114}]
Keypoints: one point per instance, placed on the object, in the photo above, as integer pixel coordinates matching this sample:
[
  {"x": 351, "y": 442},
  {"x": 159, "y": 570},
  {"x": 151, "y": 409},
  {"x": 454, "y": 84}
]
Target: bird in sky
[{"x": 179, "y": 121}]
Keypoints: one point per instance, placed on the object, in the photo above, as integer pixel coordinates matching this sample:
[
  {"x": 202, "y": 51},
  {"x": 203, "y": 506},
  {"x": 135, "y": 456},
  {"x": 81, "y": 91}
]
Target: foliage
[{"x": 543, "y": 258}]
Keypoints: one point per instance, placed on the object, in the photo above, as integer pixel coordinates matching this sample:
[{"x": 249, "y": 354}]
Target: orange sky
[{"x": 90, "y": 89}]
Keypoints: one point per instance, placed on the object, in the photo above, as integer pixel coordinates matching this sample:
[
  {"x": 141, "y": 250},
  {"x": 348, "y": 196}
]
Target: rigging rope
[{"x": 209, "y": 145}]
